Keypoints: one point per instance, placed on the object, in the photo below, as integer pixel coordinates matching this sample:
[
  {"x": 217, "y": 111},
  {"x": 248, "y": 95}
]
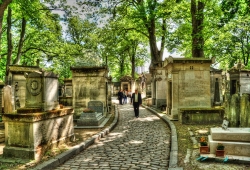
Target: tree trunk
[
  {"x": 197, "y": 28},
  {"x": 3, "y": 6},
  {"x": 134, "y": 47},
  {"x": 10, "y": 46},
  {"x": 20, "y": 45}
]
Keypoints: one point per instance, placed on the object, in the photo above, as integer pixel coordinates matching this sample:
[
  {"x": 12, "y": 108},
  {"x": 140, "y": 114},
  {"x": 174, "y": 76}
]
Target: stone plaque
[
  {"x": 97, "y": 106},
  {"x": 225, "y": 124}
]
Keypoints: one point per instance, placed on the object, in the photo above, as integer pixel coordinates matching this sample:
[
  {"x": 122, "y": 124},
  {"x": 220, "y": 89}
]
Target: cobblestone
[{"x": 135, "y": 143}]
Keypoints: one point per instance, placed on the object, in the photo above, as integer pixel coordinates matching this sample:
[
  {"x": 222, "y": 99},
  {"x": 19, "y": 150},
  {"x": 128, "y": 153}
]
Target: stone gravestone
[
  {"x": 94, "y": 118},
  {"x": 7, "y": 99},
  {"x": 97, "y": 106}
]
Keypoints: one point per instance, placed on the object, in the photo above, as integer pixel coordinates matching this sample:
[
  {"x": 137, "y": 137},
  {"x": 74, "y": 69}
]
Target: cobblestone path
[{"x": 135, "y": 143}]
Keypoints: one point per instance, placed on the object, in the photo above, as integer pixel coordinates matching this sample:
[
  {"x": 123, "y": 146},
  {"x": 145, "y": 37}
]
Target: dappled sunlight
[
  {"x": 148, "y": 118},
  {"x": 135, "y": 142}
]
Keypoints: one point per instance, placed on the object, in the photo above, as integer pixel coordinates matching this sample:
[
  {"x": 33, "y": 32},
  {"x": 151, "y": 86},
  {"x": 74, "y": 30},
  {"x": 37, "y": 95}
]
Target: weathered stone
[
  {"x": 234, "y": 111},
  {"x": 97, "y": 106},
  {"x": 158, "y": 86},
  {"x": 90, "y": 119},
  {"x": 31, "y": 135},
  {"x": 39, "y": 125},
  {"x": 201, "y": 116},
  {"x": 244, "y": 101},
  {"x": 7, "y": 98},
  {"x": 17, "y": 76},
  {"x": 42, "y": 90},
  {"x": 89, "y": 83},
  {"x": 188, "y": 84}
]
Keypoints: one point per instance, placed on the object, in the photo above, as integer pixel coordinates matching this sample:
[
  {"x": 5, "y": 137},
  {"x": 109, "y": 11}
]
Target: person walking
[
  {"x": 136, "y": 100},
  {"x": 125, "y": 97},
  {"x": 120, "y": 96}
]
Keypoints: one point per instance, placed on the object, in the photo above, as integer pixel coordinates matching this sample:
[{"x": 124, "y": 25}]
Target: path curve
[{"x": 135, "y": 143}]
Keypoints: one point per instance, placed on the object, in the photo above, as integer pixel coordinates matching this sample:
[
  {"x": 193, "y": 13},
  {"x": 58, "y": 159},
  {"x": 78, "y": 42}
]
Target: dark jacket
[{"x": 139, "y": 98}]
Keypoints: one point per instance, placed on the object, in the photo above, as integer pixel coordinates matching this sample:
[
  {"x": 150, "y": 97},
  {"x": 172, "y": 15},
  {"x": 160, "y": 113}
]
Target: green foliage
[{"x": 122, "y": 40}]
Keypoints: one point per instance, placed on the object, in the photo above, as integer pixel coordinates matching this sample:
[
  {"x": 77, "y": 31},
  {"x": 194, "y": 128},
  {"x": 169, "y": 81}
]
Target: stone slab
[
  {"x": 231, "y": 147},
  {"x": 231, "y": 134},
  {"x": 90, "y": 119},
  {"x": 93, "y": 127},
  {"x": 97, "y": 106}
]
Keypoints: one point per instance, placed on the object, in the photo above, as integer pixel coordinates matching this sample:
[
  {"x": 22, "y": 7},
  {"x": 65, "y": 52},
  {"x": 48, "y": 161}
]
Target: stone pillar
[
  {"x": 175, "y": 96},
  {"x": 160, "y": 96}
]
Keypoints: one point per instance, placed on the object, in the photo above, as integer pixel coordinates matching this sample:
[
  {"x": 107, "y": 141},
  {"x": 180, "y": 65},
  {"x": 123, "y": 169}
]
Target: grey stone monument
[{"x": 94, "y": 117}]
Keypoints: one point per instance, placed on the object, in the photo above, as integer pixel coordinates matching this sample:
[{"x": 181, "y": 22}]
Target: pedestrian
[
  {"x": 125, "y": 94},
  {"x": 136, "y": 100},
  {"x": 120, "y": 96}
]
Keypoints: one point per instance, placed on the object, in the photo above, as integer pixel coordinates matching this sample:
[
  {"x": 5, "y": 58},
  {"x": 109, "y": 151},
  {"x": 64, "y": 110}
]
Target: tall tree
[
  {"x": 197, "y": 28},
  {"x": 3, "y": 5}
]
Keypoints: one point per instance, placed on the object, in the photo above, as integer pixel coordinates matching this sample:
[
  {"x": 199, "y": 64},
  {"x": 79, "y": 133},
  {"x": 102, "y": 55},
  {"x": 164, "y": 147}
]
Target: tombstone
[
  {"x": 93, "y": 118},
  {"x": 7, "y": 99},
  {"x": 40, "y": 125}
]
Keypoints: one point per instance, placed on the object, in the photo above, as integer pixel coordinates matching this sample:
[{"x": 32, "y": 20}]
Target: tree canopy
[{"x": 121, "y": 34}]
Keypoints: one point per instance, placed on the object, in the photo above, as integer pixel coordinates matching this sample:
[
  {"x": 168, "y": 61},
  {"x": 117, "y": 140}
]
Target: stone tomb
[
  {"x": 18, "y": 83},
  {"x": 235, "y": 140},
  {"x": 40, "y": 125},
  {"x": 89, "y": 83},
  {"x": 92, "y": 118},
  {"x": 42, "y": 90},
  {"x": 188, "y": 84}
]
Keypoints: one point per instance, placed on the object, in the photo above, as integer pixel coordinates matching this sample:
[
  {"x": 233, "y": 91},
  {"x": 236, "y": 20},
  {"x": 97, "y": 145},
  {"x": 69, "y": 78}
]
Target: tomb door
[
  {"x": 125, "y": 86},
  {"x": 233, "y": 87}
]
